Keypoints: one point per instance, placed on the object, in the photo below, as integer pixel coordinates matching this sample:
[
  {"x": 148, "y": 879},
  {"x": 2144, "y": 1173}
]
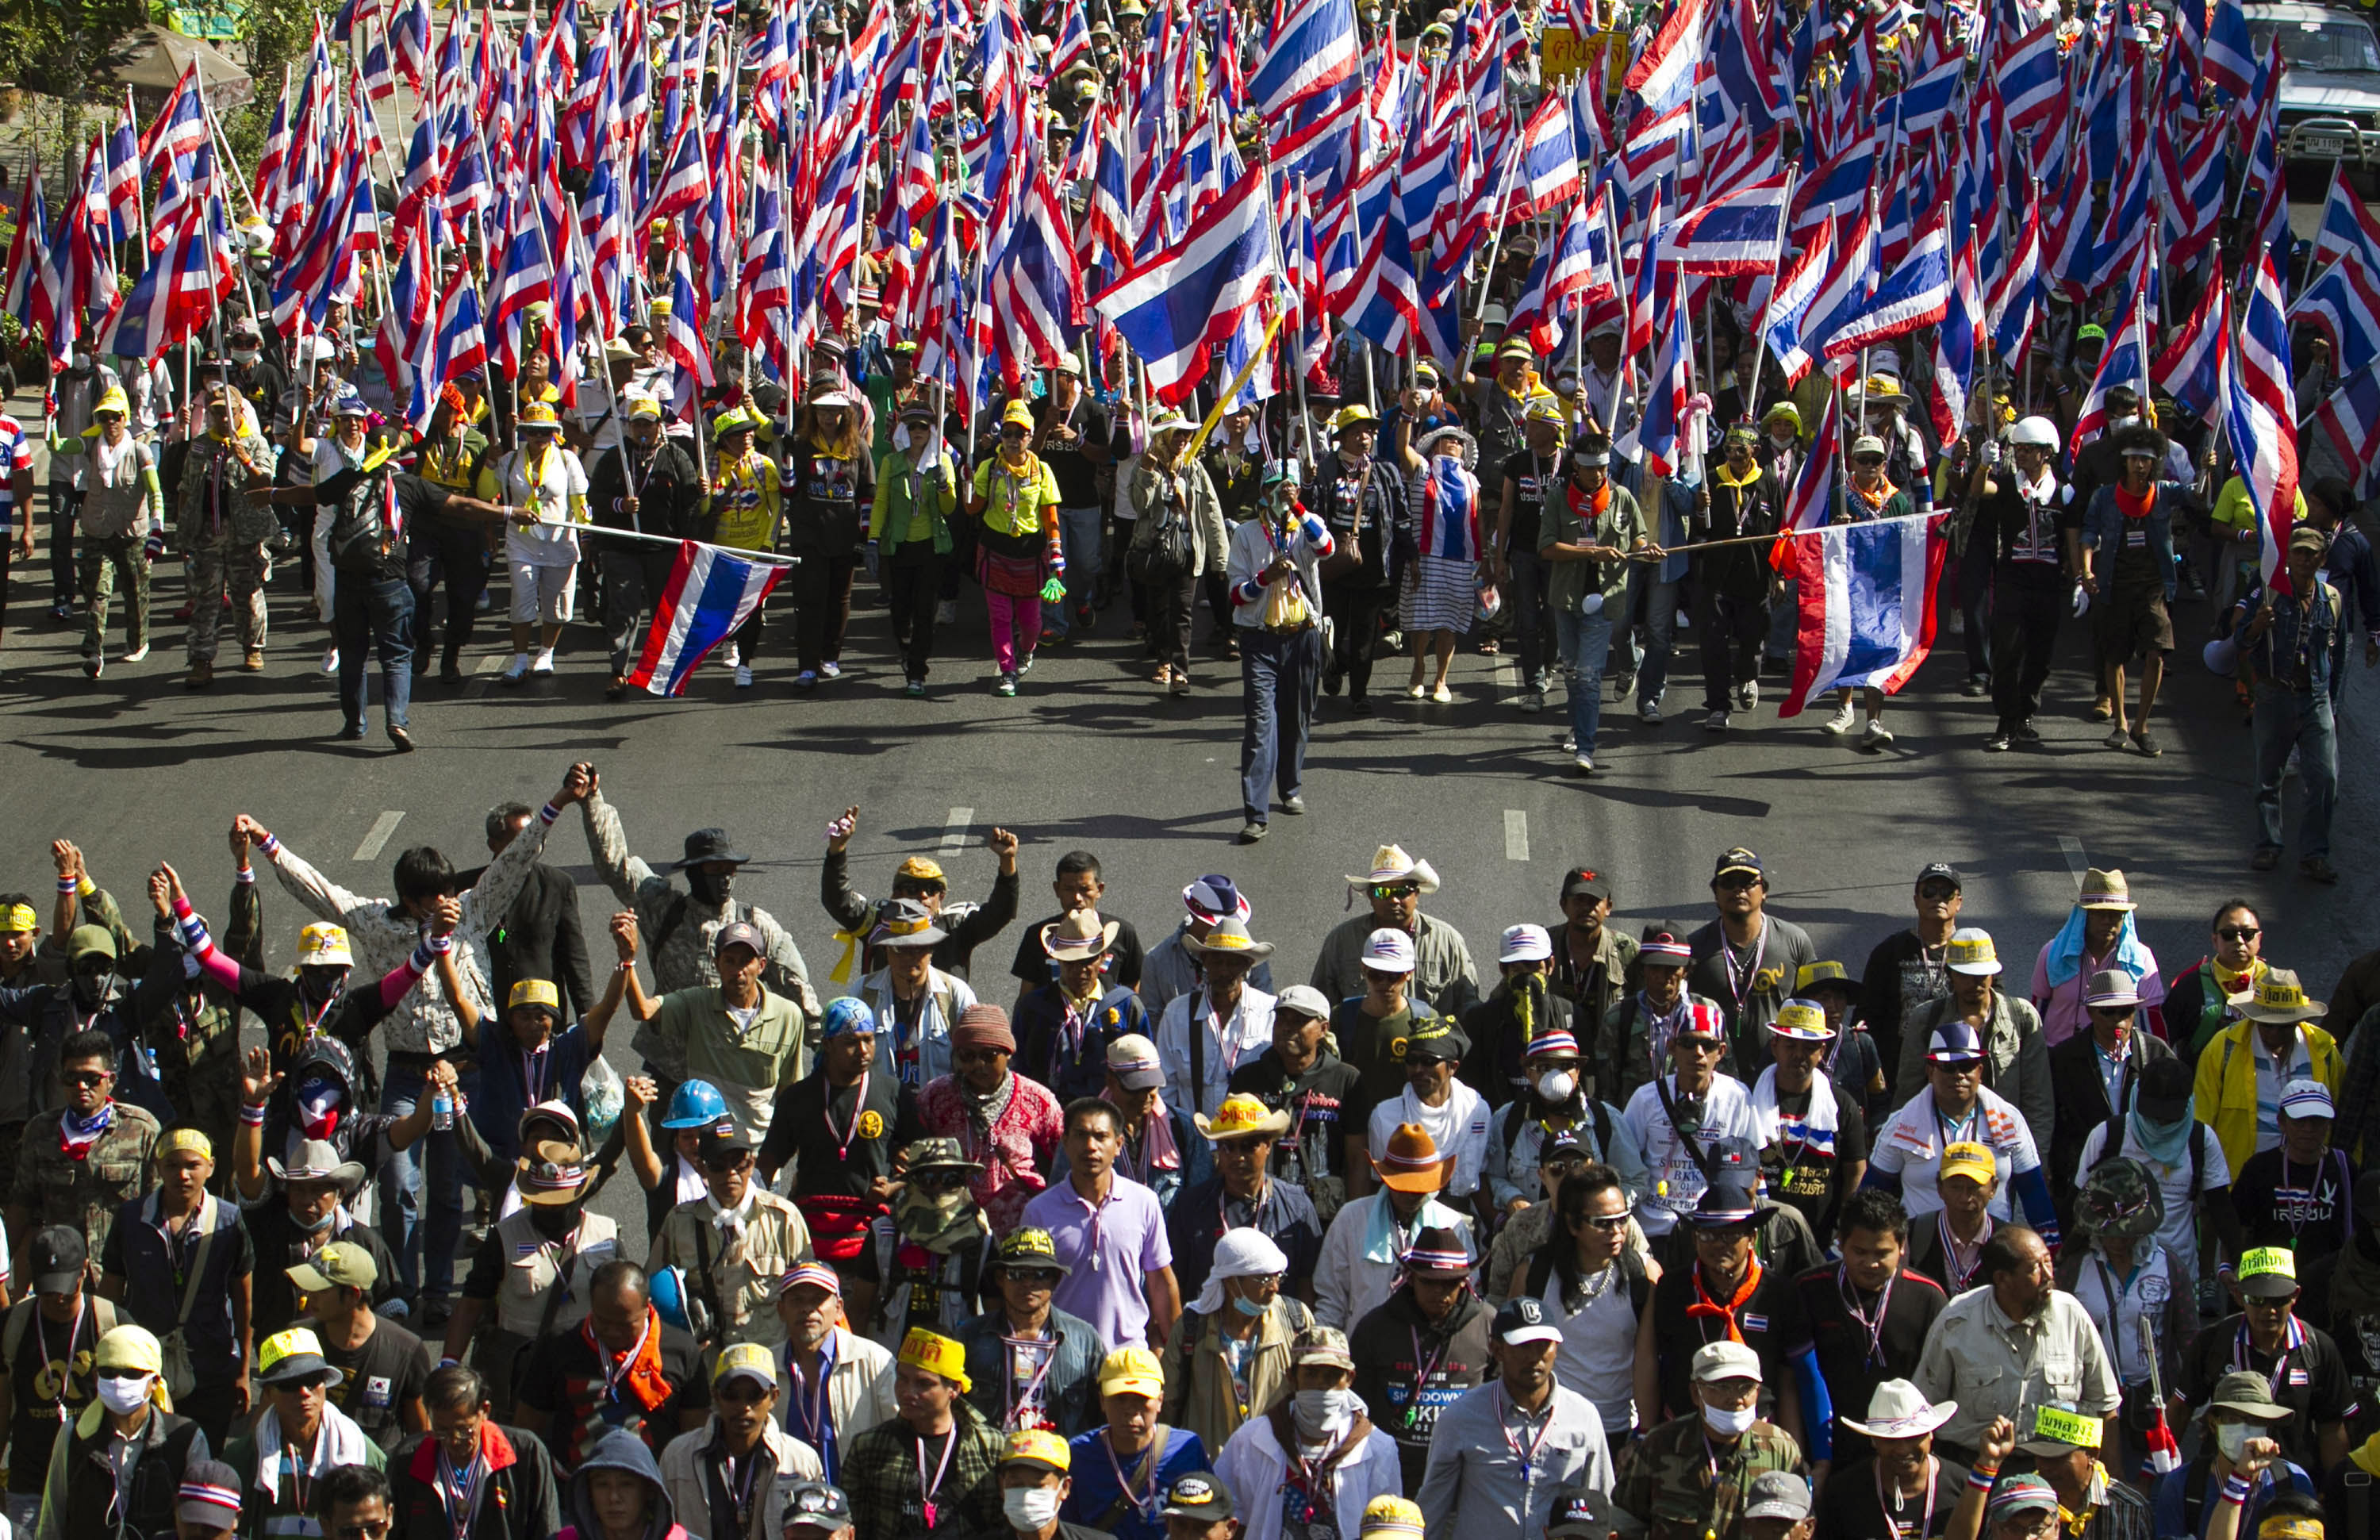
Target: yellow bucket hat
[{"x": 937, "y": 1354}]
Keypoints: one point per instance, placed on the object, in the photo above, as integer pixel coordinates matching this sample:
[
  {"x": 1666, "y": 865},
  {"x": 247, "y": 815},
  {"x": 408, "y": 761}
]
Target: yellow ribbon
[{"x": 841, "y": 972}]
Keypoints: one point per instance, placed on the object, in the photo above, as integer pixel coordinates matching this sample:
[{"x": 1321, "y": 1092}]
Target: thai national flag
[
  {"x": 2352, "y": 417},
  {"x": 2192, "y": 368},
  {"x": 2124, "y": 362},
  {"x": 172, "y": 298},
  {"x": 1313, "y": 50},
  {"x": 1548, "y": 175},
  {"x": 1867, "y": 606},
  {"x": 1664, "y": 436},
  {"x": 1789, "y": 304},
  {"x": 2260, "y": 420},
  {"x": 1811, "y": 503},
  {"x": 180, "y": 128},
  {"x": 1177, "y": 306},
  {"x": 711, "y": 592},
  {"x": 1915, "y": 295},
  {"x": 1664, "y": 74},
  {"x": 1925, "y": 103},
  {"x": 2347, "y": 225},
  {"x": 1954, "y": 346},
  {"x": 27, "y": 250},
  {"x": 1738, "y": 233},
  {"x": 2344, "y": 305},
  {"x": 2231, "y": 63},
  {"x": 2031, "y": 87}
]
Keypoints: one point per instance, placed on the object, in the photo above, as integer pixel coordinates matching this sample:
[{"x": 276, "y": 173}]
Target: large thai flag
[
  {"x": 2352, "y": 417},
  {"x": 1810, "y": 503},
  {"x": 1548, "y": 175},
  {"x": 2031, "y": 87},
  {"x": 171, "y": 297},
  {"x": 1313, "y": 50},
  {"x": 1867, "y": 606},
  {"x": 1664, "y": 74},
  {"x": 1177, "y": 306},
  {"x": 2124, "y": 361},
  {"x": 1667, "y": 437},
  {"x": 2344, "y": 305},
  {"x": 711, "y": 592},
  {"x": 2192, "y": 368},
  {"x": 1954, "y": 347},
  {"x": 1739, "y": 232},
  {"x": 2230, "y": 62},
  {"x": 2260, "y": 420}
]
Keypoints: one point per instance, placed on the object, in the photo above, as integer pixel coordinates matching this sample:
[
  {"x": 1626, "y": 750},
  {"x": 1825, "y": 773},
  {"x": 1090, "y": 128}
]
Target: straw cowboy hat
[
  {"x": 1079, "y": 936},
  {"x": 2105, "y": 890},
  {"x": 1229, "y": 938},
  {"x": 1390, "y": 864},
  {"x": 1899, "y": 1409}
]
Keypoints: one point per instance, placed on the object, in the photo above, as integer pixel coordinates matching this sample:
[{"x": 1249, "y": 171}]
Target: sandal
[{"x": 2146, "y": 743}]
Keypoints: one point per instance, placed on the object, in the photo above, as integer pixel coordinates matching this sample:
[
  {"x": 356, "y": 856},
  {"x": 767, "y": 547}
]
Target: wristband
[
  {"x": 85, "y": 886},
  {"x": 2235, "y": 1489},
  {"x": 245, "y": 874},
  {"x": 271, "y": 846},
  {"x": 628, "y": 964},
  {"x": 66, "y": 887},
  {"x": 1980, "y": 1477},
  {"x": 549, "y": 812},
  {"x": 252, "y": 1114},
  {"x": 438, "y": 943}
]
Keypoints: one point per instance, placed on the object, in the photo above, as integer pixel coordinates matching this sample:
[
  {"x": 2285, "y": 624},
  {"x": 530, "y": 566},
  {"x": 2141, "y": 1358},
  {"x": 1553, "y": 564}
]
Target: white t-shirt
[
  {"x": 2177, "y": 1238},
  {"x": 1241, "y": 1039},
  {"x": 1910, "y": 1147},
  {"x": 2270, "y": 1078},
  {"x": 2145, "y": 1291},
  {"x": 1460, "y": 1126},
  {"x": 1597, "y": 1356},
  {"x": 1673, "y": 1182},
  {"x": 559, "y": 478}
]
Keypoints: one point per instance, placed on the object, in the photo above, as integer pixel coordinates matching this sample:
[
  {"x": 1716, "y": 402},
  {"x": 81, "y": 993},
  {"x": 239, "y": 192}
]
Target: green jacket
[
  {"x": 1621, "y": 523},
  {"x": 898, "y": 487}
]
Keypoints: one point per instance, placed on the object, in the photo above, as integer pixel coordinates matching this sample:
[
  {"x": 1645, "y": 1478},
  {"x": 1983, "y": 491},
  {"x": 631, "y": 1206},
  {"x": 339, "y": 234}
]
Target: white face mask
[
  {"x": 2231, "y": 1438},
  {"x": 1029, "y": 1507},
  {"x": 1731, "y": 1423},
  {"x": 1317, "y": 1411},
  {"x": 1556, "y": 1084},
  {"x": 122, "y": 1396}
]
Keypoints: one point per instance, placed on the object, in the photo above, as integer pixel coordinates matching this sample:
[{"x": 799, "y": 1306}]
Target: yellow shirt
[
  {"x": 751, "y": 504},
  {"x": 1016, "y": 505}
]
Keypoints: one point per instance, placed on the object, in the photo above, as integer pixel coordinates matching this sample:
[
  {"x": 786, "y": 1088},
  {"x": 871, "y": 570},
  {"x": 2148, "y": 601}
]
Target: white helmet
[{"x": 2037, "y": 431}]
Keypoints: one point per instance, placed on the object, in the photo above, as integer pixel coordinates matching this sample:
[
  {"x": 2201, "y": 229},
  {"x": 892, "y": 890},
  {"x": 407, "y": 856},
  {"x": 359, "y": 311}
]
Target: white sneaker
[
  {"x": 1840, "y": 723},
  {"x": 1570, "y": 744},
  {"x": 831, "y": 669},
  {"x": 330, "y": 659},
  {"x": 545, "y": 664},
  {"x": 1747, "y": 696},
  {"x": 742, "y": 677},
  {"x": 1649, "y": 712},
  {"x": 1584, "y": 764},
  {"x": 1714, "y": 722},
  {"x": 735, "y": 659},
  {"x": 516, "y": 671},
  {"x": 1878, "y": 735},
  {"x": 141, "y": 652}
]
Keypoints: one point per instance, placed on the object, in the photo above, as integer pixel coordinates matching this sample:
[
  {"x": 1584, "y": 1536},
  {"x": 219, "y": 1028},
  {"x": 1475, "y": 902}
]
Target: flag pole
[
  {"x": 1750, "y": 384},
  {"x": 1495, "y": 233}
]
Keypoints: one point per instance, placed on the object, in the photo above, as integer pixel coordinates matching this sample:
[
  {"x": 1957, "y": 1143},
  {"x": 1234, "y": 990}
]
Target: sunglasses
[
  {"x": 1398, "y": 890},
  {"x": 1608, "y": 1221},
  {"x": 370, "y": 1530},
  {"x": 1012, "y": 431},
  {"x": 1938, "y": 893},
  {"x": 741, "y": 1391},
  {"x": 939, "y": 1181},
  {"x": 1700, "y": 1044},
  {"x": 2237, "y": 932},
  {"x": 1031, "y": 1277},
  {"x": 306, "y": 1382},
  {"x": 1867, "y": 461},
  {"x": 87, "y": 1080}
]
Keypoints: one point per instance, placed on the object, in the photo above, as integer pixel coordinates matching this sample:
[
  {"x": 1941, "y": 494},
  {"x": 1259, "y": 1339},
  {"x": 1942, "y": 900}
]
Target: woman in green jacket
[{"x": 909, "y": 534}]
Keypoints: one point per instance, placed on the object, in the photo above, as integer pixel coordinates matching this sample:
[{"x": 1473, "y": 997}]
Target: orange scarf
[
  {"x": 643, "y": 1378},
  {"x": 2133, "y": 506},
  {"x": 1705, "y": 1305}
]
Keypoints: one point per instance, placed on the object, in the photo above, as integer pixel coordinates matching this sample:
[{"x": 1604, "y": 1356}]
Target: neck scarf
[
  {"x": 985, "y": 1112},
  {"x": 1729, "y": 478},
  {"x": 1815, "y": 1129},
  {"x": 2136, "y": 505},
  {"x": 1878, "y": 498},
  {"x": 1591, "y": 507},
  {"x": 639, "y": 1370},
  {"x": 78, "y": 1134},
  {"x": 2167, "y": 1144},
  {"x": 1704, "y": 1306},
  {"x": 2064, "y": 959},
  {"x": 1157, "y": 1150}
]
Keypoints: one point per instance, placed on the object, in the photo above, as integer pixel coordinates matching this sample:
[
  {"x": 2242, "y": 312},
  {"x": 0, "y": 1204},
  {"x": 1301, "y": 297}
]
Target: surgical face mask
[
  {"x": 1318, "y": 1410},
  {"x": 122, "y": 1396},
  {"x": 1556, "y": 1084},
  {"x": 314, "y": 1227},
  {"x": 245, "y": 355},
  {"x": 2231, "y": 1438},
  {"x": 1029, "y": 1507},
  {"x": 2118, "y": 424},
  {"x": 1731, "y": 1423},
  {"x": 1247, "y": 1307}
]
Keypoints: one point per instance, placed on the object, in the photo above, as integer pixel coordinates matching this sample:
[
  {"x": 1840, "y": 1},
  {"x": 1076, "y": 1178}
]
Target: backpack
[
  {"x": 364, "y": 531},
  {"x": 1167, "y": 555},
  {"x": 2111, "y": 1145}
]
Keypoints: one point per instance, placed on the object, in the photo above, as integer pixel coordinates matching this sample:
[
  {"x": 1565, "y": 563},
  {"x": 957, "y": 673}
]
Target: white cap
[
  {"x": 1524, "y": 943},
  {"x": 2307, "y": 1098},
  {"x": 1387, "y": 951}
]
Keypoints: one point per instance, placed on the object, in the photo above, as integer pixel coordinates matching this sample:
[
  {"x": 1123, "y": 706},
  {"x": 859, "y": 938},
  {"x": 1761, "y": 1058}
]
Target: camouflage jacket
[
  {"x": 1668, "y": 1484},
  {"x": 54, "y": 1188}
]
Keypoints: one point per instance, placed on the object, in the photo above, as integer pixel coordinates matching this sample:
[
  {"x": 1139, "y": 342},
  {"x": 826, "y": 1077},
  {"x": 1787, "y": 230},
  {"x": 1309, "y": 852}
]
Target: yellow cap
[
  {"x": 129, "y": 1347},
  {"x": 937, "y": 1354},
  {"x": 1132, "y": 1372},
  {"x": 539, "y": 413},
  {"x": 1968, "y": 1160},
  {"x": 1390, "y": 1514},
  {"x": 1038, "y": 1445},
  {"x": 748, "y": 1359},
  {"x": 1017, "y": 412},
  {"x": 921, "y": 868},
  {"x": 323, "y": 946},
  {"x": 535, "y": 992},
  {"x": 178, "y": 1139},
  {"x": 295, "y": 1342}
]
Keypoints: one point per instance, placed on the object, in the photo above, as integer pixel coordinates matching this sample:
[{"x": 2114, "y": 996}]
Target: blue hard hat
[
  {"x": 695, "y": 1104},
  {"x": 666, "y": 1289},
  {"x": 849, "y": 1014}
]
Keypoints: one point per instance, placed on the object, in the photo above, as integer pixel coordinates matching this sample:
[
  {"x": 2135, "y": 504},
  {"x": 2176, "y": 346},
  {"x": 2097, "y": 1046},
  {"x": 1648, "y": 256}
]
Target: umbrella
[{"x": 155, "y": 57}]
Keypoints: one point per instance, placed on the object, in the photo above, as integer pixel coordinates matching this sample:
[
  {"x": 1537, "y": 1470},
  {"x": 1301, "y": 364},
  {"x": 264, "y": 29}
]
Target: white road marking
[
  {"x": 383, "y": 827},
  {"x": 1516, "y": 834},
  {"x": 489, "y": 664},
  {"x": 2075, "y": 860},
  {"x": 955, "y": 831}
]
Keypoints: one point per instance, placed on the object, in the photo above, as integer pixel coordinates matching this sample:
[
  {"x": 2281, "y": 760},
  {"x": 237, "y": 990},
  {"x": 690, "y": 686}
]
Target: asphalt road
[{"x": 135, "y": 769}]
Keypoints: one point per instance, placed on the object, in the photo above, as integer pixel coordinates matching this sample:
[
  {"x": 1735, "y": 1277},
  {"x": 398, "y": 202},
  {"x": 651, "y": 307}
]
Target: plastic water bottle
[{"x": 442, "y": 1111}]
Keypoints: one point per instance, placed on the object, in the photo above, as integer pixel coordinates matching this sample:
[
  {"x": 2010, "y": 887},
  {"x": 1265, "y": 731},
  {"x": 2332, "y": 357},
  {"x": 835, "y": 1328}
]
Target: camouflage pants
[
  {"x": 104, "y": 559},
  {"x": 212, "y": 569}
]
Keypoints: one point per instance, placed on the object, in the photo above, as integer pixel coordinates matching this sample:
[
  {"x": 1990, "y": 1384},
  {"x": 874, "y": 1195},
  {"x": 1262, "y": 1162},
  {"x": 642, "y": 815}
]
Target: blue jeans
[
  {"x": 1277, "y": 675},
  {"x": 2287, "y": 718},
  {"x": 376, "y": 612},
  {"x": 402, "y": 1221},
  {"x": 1078, "y": 537},
  {"x": 1653, "y": 606},
  {"x": 1586, "y": 643}
]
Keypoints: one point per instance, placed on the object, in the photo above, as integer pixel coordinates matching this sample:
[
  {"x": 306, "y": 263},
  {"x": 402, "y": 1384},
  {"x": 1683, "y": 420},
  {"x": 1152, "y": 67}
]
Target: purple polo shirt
[{"x": 1110, "y": 1254}]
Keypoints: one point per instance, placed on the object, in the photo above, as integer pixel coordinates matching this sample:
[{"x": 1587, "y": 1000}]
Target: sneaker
[
  {"x": 946, "y": 613},
  {"x": 61, "y": 613},
  {"x": 2313, "y": 868},
  {"x": 1025, "y": 664},
  {"x": 1878, "y": 735},
  {"x": 1747, "y": 696},
  {"x": 831, "y": 669},
  {"x": 516, "y": 671},
  {"x": 1533, "y": 700},
  {"x": 93, "y": 665},
  {"x": 1360, "y": 706},
  {"x": 1841, "y": 722},
  {"x": 137, "y": 654},
  {"x": 1622, "y": 686},
  {"x": 543, "y": 663},
  {"x": 1649, "y": 712},
  {"x": 1714, "y": 722},
  {"x": 1251, "y": 832},
  {"x": 2027, "y": 734},
  {"x": 252, "y": 662},
  {"x": 1569, "y": 743},
  {"x": 1007, "y": 685},
  {"x": 1294, "y": 805},
  {"x": 2101, "y": 710},
  {"x": 330, "y": 659},
  {"x": 2000, "y": 742},
  {"x": 1442, "y": 696},
  {"x": 805, "y": 680},
  {"x": 1977, "y": 686},
  {"x": 1583, "y": 764},
  {"x": 735, "y": 659},
  {"x": 742, "y": 677},
  {"x": 916, "y": 689}
]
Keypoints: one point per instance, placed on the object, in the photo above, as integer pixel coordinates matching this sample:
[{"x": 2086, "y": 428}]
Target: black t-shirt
[
  {"x": 1772, "y": 1322},
  {"x": 835, "y": 1146},
  {"x": 1809, "y": 1179},
  {"x": 1374, "y": 1046},
  {"x": 1033, "y": 965},
  {"x": 1901, "y": 976},
  {"x": 378, "y": 1380},
  {"x": 2301, "y": 1208},
  {"x": 2310, "y": 1379},
  {"x": 1079, "y": 484},
  {"x": 281, "y": 1245},
  {"x": 1852, "y": 1508},
  {"x": 1855, "y": 1356},
  {"x": 563, "y": 1378},
  {"x": 416, "y": 499},
  {"x": 1529, "y": 475},
  {"x": 34, "y": 1418},
  {"x": 1317, "y": 1102}
]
